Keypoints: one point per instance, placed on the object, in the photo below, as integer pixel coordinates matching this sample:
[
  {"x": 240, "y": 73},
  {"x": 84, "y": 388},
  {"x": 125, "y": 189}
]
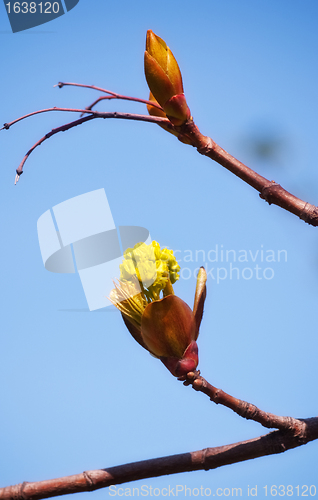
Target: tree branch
[
  {"x": 92, "y": 114},
  {"x": 98, "y": 114},
  {"x": 270, "y": 191},
  {"x": 112, "y": 95},
  {"x": 189, "y": 133},
  {"x": 242, "y": 408},
  {"x": 207, "y": 459}
]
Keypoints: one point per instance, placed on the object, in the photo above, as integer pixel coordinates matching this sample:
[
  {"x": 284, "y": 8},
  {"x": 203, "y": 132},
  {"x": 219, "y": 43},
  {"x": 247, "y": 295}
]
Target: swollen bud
[
  {"x": 154, "y": 111},
  {"x": 177, "y": 110},
  {"x": 186, "y": 364},
  {"x": 164, "y": 79}
]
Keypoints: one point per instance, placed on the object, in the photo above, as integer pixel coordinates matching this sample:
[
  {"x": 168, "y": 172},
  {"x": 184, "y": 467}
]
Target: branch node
[
  {"x": 89, "y": 481},
  {"x": 215, "y": 397},
  {"x": 299, "y": 429},
  {"x": 6, "y": 126},
  {"x": 206, "y": 147},
  {"x": 15, "y": 492},
  {"x": 268, "y": 192},
  {"x": 23, "y": 496},
  {"x": 306, "y": 212},
  {"x": 309, "y": 214},
  {"x": 246, "y": 410},
  {"x": 203, "y": 461}
]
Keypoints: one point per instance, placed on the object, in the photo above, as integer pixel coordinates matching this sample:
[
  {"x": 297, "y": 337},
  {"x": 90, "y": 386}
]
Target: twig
[
  {"x": 242, "y": 408},
  {"x": 91, "y": 116},
  {"x": 98, "y": 114},
  {"x": 8, "y": 125},
  {"x": 207, "y": 459},
  {"x": 99, "y": 99},
  {"x": 54, "y": 131},
  {"x": 100, "y": 89},
  {"x": 270, "y": 191},
  {"x": 112, "y": 95}
]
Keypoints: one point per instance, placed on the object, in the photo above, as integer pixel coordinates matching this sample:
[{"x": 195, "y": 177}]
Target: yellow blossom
[{"x": 164, "y": 325}]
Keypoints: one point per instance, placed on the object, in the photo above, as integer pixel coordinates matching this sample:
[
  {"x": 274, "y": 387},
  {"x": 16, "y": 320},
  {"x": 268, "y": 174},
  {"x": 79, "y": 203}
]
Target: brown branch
[
  {"x": 207, "y": 459},
  {"x": 98, "y": 114},
  {"x": 99, "y": 99},
  {"x": 242, "y": 408},
  {"x": 112, "y": 95},
  {"x": 8, "y": 125},
  {"x": 54, "y": 131},
  {"x": 92, "y": 114},
  {"x": 270, "y": 191},
  {"x": 100, "y": 89}
]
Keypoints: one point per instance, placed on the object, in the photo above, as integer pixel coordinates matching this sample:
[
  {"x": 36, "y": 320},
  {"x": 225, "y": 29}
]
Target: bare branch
[
  {"x": 100, "y": 89},
  {"x": 98, "y": 114},
  {"x": 102, "y": 98},
  {"x": 54, "y": 131},
  {"x": 6, "y": 126},
  {"x": 112, "y": 95},
  {"x": 270, "y": 191},
  {"x": 92, "y": 114},
  {"x": 189, "y": 133},
  {"x": 242, "y": 408},
  {"x": 207, "y": 459}
]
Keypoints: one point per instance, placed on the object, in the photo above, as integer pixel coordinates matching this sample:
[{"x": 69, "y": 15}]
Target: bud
[
  {"x": 199, "y": 298},
  {"x": 166, "y": 327},
  {"x": 164, "y": 79},
  {"x": 154, "y": 111}
]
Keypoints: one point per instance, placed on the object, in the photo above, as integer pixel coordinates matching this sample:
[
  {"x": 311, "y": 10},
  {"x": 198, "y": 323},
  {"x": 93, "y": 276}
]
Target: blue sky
[{"x": 77, "y": 392}]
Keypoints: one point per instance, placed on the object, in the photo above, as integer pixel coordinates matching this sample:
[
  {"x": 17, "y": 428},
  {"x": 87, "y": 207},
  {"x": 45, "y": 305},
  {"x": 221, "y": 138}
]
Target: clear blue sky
[{"x": 76, "y": 392}]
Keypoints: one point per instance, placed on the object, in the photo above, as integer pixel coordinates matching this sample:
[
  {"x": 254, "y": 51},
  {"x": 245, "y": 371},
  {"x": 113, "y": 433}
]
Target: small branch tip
[{"x": 17, "y": 177}]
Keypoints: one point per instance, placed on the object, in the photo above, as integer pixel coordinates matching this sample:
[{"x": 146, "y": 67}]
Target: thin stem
[
  {"x": 63, "y": 128},
  {"x": 206, "y": 459},
  {"x": 242, "y": 408},
  {"x": 270, "y": 191},
  {"x": 113, "y": 95},
  {"x": 102, "y": 98},
  {"x": 92, "y": 114},
  {"x": 6, "y": 126},
  {"x": 97, "y": 114},
  {"x": 189, "y": 133},
  {"x": 100, "y": 89}
]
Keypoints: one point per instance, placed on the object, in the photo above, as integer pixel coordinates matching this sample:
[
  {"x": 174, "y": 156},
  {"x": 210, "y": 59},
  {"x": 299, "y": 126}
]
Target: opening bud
[{"x": 164, "y": 79}]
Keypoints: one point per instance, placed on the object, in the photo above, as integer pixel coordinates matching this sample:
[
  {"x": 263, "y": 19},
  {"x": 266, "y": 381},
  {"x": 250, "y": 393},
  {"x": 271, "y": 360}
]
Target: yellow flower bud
[{"x": 166, "y": 327}]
